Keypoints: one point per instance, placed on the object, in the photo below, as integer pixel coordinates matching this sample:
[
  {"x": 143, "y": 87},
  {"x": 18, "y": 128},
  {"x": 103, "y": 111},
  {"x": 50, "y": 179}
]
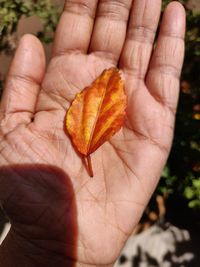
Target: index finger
[{"x": 167, "y": 59}]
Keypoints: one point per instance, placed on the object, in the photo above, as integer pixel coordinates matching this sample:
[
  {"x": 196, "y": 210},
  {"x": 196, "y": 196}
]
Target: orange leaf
[{"x": 97, "y": 112}]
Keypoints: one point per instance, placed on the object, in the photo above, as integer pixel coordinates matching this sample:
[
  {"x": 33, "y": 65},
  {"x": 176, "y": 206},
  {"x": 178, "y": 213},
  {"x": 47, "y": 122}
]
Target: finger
[
  {"x": 75, "y": 26},
  {"x": 110, "y": 28},
  {"x": 165, "y": 67},
  {"x": 23, "y": 82},
  {"x": 140, "y": 37}
]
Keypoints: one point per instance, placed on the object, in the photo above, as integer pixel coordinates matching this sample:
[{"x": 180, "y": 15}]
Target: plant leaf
[{"x": 97, "y": 112}]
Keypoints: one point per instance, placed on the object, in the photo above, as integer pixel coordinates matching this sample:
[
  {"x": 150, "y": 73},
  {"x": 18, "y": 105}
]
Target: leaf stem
[{"x": 89, "y": 166}]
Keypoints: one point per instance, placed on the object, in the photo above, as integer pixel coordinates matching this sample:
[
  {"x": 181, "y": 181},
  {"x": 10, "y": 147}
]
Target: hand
[{"x": 59, "y": 215}]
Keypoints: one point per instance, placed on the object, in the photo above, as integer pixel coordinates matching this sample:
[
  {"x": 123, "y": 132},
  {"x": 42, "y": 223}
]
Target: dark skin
[{"x": 59, "y": 215}]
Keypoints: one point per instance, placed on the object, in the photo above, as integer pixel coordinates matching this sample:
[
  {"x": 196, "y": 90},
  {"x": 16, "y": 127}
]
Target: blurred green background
[{"x": 181, "y": 176}]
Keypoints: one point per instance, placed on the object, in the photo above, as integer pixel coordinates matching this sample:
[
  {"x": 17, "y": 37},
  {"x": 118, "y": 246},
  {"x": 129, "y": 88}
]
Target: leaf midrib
[{"x": 97, "y": 116}]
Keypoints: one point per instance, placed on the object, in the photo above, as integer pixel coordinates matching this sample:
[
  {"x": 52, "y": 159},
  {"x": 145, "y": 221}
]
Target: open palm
[{"x": 56, "y": 210}]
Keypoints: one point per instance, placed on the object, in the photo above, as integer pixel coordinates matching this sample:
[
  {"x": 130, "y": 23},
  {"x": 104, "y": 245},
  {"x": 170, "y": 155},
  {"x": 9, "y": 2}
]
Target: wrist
[
  {"x": 11, "y": 254},
  {"x": 15, "y": 252}
]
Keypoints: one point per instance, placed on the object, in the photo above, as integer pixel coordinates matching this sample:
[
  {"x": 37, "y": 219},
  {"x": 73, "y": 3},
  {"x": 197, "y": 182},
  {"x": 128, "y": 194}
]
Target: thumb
[{"x": 23, "y": 83}]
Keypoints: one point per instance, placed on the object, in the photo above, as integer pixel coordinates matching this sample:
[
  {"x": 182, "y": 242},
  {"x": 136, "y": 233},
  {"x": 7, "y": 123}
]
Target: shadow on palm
[{"x": 42, "y": 210}]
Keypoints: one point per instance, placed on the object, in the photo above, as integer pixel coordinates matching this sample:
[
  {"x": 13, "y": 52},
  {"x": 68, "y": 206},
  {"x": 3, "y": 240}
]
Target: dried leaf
[{"x": 97, "y": 112}]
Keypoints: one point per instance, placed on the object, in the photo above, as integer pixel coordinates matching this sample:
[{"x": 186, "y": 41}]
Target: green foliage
[
  {"x": 167, "y": 182},
  {"x": 12, "y": 10},
  {"x": 192, "y": 192}
]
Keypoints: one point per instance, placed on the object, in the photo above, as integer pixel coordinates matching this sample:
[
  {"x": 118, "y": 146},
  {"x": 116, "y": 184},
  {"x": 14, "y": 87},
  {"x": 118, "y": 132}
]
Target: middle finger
[{"x": 110, "y": 28}]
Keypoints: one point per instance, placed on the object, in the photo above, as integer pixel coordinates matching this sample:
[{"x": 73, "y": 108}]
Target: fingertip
[
  {"x": 29, "y": 58},
  {"x": 27, "y": 37},
  {"x": 30, "y": 41},
  {"x": 174, "y": 19},
  {"x": 175, "y": 7},
  {"x": 176, "y": 4}
]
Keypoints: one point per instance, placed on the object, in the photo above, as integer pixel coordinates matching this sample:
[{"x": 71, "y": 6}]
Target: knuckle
[
  {"x": 167, "y": 69},
  {"x": 141, "y": 33},
  {"x": 80, "y": 7},
  {"x": 115, "y": 9}
]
